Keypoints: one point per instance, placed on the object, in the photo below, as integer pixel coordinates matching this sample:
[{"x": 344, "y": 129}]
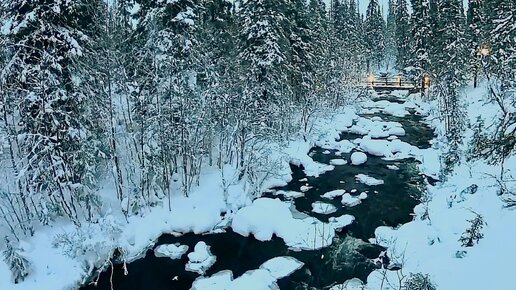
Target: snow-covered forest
[{"x": 124, "y": 121}]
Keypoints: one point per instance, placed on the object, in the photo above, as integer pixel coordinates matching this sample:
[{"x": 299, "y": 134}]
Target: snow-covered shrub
[
  {"x": 19, "y": 266},
  {"x": 418, "y": 281},
  {"x": 85, "y": 241},
  {"x": 473, "y": 234}
]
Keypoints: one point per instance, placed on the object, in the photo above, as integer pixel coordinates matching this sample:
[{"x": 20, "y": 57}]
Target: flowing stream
[{"x": 349, "y": 256}]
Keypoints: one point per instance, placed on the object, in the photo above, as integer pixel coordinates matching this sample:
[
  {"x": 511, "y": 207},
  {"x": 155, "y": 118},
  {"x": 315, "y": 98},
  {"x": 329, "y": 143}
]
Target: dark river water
[{"x": 349, "y": 256}]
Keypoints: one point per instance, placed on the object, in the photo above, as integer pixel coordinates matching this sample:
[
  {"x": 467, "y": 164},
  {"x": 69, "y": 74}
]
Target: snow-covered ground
[{"x": 63, "y": 255}]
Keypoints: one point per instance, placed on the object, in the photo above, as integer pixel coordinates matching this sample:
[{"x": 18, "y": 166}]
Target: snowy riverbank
[
  {"x": 63, "y": 255},
  {"x": 430, "y": 244}
]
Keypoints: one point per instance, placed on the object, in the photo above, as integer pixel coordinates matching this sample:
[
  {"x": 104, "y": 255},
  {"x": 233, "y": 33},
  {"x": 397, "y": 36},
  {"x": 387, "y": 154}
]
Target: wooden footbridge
[{"x": 399, "y": 82}]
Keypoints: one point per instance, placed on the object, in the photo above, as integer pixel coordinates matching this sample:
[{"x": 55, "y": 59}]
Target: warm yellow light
[
  {"x": 370, "y": 78},
  {"x": 484, "y": 51},
  {"x": 426, "y": 81}
]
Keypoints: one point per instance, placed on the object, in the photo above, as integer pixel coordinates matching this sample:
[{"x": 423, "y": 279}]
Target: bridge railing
[{"x": 389, "y": 82}]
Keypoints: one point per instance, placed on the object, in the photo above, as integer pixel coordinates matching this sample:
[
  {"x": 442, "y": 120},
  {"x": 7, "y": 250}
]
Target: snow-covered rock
[
  {"x": 338, "y": 162},
  {"x": 334, "y": 193},
  {"x": 368, "y": 180},
  {"x": 323, "y": 208},
  {"x": 263, "y": 278},
  {"x": 280, "y": 267},
  {"x": 289, "y": 193},
  {"x": 266, "y": 216},
  {"x": 358, "y": 158},
  {"x": 349, "y": 200},
  {"x": 201, "y": 259},
  {"x": 173, "y": 251},
  {"x": 305, "y": 188},
  {"x": 393, "y": 167},
  {"x": 340, "y": 222}
]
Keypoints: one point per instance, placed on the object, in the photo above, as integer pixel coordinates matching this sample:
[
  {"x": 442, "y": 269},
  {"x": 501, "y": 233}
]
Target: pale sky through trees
[{"x": 384, "y": 3}]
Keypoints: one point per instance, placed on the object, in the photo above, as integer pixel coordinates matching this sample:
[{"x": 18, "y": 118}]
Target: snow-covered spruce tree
[
  {"x": 448, "y": 61},
  {"x": 356, "y": 41},
  {"x": 303, "y": 46},
  {"x": 421, "y": 36},
  {"x": 19, "y": 266},
  {"x": 45, "y": 79},
  {"x": 473, "y": 234},
  {"x": 373, "y": 34},
  {"x": 390, "y": 39},
  {"x": 402, "y": 34}
]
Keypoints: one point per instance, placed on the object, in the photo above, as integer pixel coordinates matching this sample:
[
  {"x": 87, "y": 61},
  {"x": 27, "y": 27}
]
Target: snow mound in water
[
  {"x": 368, "y": 180},
  {"x": 349, "y": 200},
  {"x": 200, "y": 259},
  {"x": 266, "y": 217},
  {"x": 395, "y": 149},
  {"x": 172, "y": 251},
  {"x": 280, "y": 267},
  {"x": 289, "y": 193},
  {"x": 261, "y": 279},
  {"x": 393, "y": 167},
  {"x": 358, "y": 158},
  {"x": 337, "y": 162},
  {"x": 342, "y": 221},
  {"x": 334, "y": 193},
  {"x": 323, "y": 208},
  {"x": 376, "y": 128}
]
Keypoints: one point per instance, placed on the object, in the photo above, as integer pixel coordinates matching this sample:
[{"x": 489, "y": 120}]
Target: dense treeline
[{"x": 145, "y": 93}]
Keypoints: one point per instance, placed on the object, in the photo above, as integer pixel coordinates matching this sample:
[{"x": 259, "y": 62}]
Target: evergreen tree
[
  {"x": 402, "y": 34},
  {"x": 56, "y": 143},
  {"x": 448, "y": 65},
  {"x": 421, "y": 36},
  {"x": 373, "y": 34},
  {"x": 390, "y": 34}
]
